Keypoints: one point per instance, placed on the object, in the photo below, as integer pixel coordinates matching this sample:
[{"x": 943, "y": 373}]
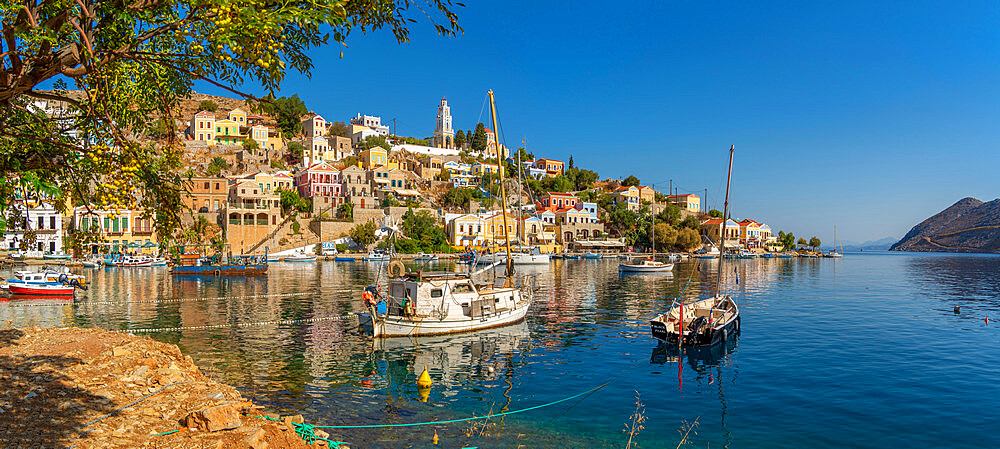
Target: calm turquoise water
[{"x": 865, "y": 351}]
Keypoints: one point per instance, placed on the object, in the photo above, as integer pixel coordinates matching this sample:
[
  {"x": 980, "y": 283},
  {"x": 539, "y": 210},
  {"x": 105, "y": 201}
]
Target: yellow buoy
[
  {"x": 424, "y": 380},
  {"x": 435, "y": 440}
]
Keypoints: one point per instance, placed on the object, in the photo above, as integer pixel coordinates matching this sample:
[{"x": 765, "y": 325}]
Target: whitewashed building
[{"x": 46, "y": 223}]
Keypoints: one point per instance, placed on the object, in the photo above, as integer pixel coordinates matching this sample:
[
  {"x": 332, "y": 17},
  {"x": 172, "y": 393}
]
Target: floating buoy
[
  {"x": 987, "y": 320},
  {"x": 435, "y": 440},
  {"x": 424, "y": 381},
  {"x": 957, "y": 310}
]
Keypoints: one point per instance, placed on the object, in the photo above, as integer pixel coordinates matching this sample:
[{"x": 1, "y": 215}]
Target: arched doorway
[{"x": 567, "y": 237}]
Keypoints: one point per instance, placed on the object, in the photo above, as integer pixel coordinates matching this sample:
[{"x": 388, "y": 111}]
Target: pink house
[{"x": 320, "y": 180}]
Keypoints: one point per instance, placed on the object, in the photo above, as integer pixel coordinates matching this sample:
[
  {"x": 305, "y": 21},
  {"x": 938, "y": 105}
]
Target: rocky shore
[{"x": 89, "y": 388}]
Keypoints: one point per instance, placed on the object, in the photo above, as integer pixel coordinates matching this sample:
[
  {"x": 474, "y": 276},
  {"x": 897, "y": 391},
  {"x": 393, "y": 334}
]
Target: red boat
[{"x": 41, "y": 289}]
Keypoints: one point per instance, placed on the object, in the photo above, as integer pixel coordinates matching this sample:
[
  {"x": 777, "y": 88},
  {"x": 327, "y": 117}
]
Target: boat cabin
[{"x": 442, "y": 295}]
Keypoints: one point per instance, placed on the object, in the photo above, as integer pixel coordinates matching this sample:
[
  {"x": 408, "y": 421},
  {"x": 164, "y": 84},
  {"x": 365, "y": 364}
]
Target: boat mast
[
  {"x": 725, "y": 218},
  {"x": 652, "y": 231},
  {"x": 521, "y": 237},
  {"x": 503, "y": 194}
]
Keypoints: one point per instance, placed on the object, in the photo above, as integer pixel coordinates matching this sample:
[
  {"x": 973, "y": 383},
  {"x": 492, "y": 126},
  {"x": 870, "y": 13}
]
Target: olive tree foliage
[{"x": 116, "y": 67}]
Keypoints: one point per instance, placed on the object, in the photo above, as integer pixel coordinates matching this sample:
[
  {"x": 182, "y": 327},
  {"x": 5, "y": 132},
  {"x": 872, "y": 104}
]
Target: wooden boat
[
  {"x": 376, "y": 256},
  {"x": 592, "y": 256},
  {"x": 425, "y": 257},
  {"x": 134, "y": 262},
  {"x": 570, "y": 256},
  {"x": 644, "y": 265},
  {"x": 300, "y": 258},
  {"x": 445, "y": 303},
  {"x": 91, "y": 263},
  {"x": 46, "y": 289},
  {"x": 191, "y": 264},
  {"x": 705, "y": 321},
  {"x": 159, "y": 262},
  {"x": 344, "y": 259},
  {"x": 785, "y": 256},
  {"x": 56, "y": 256}
]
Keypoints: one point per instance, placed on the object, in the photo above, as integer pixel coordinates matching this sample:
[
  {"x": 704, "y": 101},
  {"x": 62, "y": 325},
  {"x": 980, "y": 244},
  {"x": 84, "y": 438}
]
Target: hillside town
[{"x": 274, "y": 182}]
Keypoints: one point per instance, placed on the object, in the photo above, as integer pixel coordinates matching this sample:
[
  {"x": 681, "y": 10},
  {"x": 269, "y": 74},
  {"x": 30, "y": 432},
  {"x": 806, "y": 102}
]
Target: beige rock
[
  {"x": 212, "y": 419},
  {"x": 320, "y": 433}
]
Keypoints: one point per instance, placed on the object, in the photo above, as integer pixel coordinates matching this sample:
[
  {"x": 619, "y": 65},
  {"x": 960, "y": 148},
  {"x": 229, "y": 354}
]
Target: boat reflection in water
[
  {"x": 453, "y": 360},
  {"x": 699, "y": 357}
]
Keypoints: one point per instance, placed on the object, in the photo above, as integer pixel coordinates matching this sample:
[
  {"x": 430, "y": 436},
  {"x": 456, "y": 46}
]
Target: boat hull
[
  {"x": 645, "y": 269},
  {"x": 300, "y": 259},
  {"x": 718, "y": 334},
  {"x": 220, "y": 270},
  {"x": 390, "y": 326},
  {"x": 40, "y": 290}
]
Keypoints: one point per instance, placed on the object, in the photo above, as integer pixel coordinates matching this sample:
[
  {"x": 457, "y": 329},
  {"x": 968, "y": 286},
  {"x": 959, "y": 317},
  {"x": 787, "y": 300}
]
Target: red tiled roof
[
  {"x": 682, "y": 196},
  {"x": 712, "y": 221},
  {"x": 560, "y": 194}
]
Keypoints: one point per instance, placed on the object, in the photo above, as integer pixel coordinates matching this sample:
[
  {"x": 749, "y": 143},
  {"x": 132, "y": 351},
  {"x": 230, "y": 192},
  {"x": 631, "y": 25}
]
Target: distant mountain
[
  {"x": 876, "y": 245},
  {"x": 968, "y": 226}
]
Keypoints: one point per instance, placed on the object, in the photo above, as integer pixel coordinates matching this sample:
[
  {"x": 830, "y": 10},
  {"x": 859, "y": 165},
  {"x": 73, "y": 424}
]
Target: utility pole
[
  {"x": 670, "y": 190},
  {"x": 704, "y": 204},
  {"x": 394, "y": 127}
]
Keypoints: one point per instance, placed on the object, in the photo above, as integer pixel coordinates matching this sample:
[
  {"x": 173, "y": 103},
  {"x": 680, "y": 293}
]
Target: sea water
[{"x": 864, "y": 351}]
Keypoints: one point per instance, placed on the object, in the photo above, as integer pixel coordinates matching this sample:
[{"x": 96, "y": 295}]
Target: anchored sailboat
[
  {"x": 705, "y": 321},
  {"x": 646, "y": 264},
  {"x": 445, "y": 303}
]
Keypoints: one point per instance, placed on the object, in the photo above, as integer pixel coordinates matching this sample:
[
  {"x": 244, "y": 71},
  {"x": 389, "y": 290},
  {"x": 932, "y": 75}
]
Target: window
[
  {"x": 436, "y": 293},
  {"x": 124, "y": 224},
  {"x": 107, "y": 223},
  {"x": 83, "y": 223},
  {"x": 52, "y": 222},
  {"x": 52, "y": 247},
  {"x": 41, "y": 222}
]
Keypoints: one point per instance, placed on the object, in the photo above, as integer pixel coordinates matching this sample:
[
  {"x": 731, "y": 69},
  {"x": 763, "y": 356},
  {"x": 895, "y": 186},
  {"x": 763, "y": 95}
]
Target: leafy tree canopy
[
  {"x": 132, "y": 62},
  {"x": 216, "y": 166},
  {"x": 631, "y": 181},
  {"x": 208, "y": 105},
  {"x": 364, "y": 234},
  {"x": 715, "y": 213},
  {"x": 295, "y": 153},
  {"x": 340, "y": 129},
  {"x": 287, "y": 111},
  {"x": 374, "y": 141}
]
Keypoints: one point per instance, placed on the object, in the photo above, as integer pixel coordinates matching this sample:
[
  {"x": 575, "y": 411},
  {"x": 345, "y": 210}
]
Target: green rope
[{"x": 306, "y": 430}]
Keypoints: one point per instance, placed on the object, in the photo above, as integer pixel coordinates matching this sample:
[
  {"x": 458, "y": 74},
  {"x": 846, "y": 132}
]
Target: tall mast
[
  {"x": 503, "y": 194},
  {"x": 521, "y": 236},
  {"x": 725, "y": 218},
  {"x": 652, "y": 233}
]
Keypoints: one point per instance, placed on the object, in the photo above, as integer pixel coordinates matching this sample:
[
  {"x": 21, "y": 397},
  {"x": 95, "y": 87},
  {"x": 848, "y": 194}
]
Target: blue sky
[{"x": 866, "y": 115}]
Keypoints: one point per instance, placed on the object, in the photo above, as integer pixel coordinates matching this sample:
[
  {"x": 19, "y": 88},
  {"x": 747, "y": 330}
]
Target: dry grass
[
  {"x": 484, "y": 427},
  {"x": 635, "y": 423},
  {"x": 686, "y": 431}
]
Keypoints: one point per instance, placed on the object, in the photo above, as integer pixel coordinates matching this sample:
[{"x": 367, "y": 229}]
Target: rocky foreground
[{"x": 89, "y": 388}]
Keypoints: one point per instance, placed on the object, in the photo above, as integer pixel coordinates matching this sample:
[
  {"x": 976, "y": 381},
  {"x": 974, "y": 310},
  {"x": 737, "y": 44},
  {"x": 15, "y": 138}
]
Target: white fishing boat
[
  {"x": 158, "y": 262},
  {"x": 300, "y": 256},
  {"x": 445, "y": 303},
  {"x": 376, "y": 255},
  {"x": 704, "y": 321},
  {"x": 644, "y": 265},
  {"x": 425, "y": 257},
  {"x": 518, "y": 258},
  {"x": 134, "y": 261}
]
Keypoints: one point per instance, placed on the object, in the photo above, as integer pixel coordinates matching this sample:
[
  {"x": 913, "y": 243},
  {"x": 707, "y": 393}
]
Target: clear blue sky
[{"x": 868, "y": 115}]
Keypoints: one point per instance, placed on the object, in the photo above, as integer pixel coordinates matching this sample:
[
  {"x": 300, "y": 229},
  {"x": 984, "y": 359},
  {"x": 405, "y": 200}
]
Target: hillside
[{"x": 969, "y": 225}]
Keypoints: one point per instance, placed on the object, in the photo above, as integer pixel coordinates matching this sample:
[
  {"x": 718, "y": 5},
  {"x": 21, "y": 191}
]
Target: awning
[
  {"x": 149, "y": 245},
  {"x": 132, "y": 245}
]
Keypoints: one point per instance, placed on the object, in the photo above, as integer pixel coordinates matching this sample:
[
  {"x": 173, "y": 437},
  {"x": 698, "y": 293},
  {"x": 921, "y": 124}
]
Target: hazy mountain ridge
[{"x": 969, "y": 225}]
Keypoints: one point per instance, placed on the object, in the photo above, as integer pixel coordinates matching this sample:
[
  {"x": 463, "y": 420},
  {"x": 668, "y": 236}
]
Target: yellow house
[
  {"x": 266, "y": 181},
  {"x": 227, "y": 132},
  {"x": 629, "y": 197},
  {"x": 238, "y": 116},
  {"x": 690, "y": 201},
  {"x": 120, "y": 230},
  {"x": 374, "y": 157}
]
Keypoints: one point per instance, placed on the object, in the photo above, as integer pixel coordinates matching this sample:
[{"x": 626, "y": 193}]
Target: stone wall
[
  {"x": 329, "y": 230},
  {"x": 396, "y": 213}
]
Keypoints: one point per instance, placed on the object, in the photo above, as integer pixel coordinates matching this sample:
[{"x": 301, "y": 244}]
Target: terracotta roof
[
  {"x": 561, "y": 194},
  {"x": 682, "y": 196}
]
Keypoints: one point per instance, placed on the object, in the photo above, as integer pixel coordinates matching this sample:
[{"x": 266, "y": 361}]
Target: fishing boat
[
  {"x": 192, "y": 264},
  {"x": 56, "y": 256},
  {"x": 785, "y": 256},
  {"x": 425, "y": 257},
  {"x": 833, "y": 252},
  {"x": 343, "y": 259},
  {"x": 644, "y": 265},
  {"x": 376, "y": 255},
  {"x": 134, "y": 262},
  {"x": 704, "y": 321},
  {"x": 158, "y": 262},
  {"x": 533, "y": 257},
  {"x": 271, "y": 259},
  {"x": 592, "y": 256},
  {"x": 571, "y": 256},
  {"x": 37, "y": 283},
  {"x": 444, "y": 303},
  {"x": 300, "y": 256},
  {"x": 91, "y": 263},
  {"x": 739, "y": 254}
]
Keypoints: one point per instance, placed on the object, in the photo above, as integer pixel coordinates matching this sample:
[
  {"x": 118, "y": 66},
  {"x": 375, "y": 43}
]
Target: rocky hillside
[{"x": 969, "y": 225}]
